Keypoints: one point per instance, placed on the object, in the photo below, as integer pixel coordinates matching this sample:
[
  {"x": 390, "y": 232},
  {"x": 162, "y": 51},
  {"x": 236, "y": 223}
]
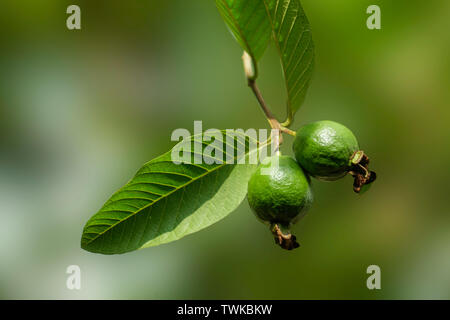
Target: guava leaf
[
  {"x": 166, "y": 201},
  {"x": 293, "y": 39},
  {"x": 248, "y": 22}
]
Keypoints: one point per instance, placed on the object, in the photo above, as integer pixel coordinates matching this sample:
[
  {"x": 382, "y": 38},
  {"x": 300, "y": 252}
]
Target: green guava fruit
[
  {"x": 279, "y": 193},
  {"x": 328, "y": 150}
]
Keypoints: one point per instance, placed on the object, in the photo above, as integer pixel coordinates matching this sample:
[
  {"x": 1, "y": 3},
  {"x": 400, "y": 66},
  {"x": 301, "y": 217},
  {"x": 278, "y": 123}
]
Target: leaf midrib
[{"x": 150, "y": 204}]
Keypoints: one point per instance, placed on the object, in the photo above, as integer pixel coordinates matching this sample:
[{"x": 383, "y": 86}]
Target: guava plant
[{"x": 168, "y": 199}]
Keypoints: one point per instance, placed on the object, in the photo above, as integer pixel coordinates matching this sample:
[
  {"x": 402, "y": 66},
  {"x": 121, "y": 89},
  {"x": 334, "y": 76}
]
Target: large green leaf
[
  {"x": 247, "y": 21},
  {"x": 292, "y": 35},
  {"x": 166, "y": 201}
]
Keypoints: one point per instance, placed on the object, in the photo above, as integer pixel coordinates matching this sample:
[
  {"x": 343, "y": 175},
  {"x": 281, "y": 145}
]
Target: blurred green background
[{"x": 81, "y": 111}]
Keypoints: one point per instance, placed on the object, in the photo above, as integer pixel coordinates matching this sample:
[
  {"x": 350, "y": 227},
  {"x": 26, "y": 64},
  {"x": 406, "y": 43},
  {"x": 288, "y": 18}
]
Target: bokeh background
[{"x": 81, "y": 111}]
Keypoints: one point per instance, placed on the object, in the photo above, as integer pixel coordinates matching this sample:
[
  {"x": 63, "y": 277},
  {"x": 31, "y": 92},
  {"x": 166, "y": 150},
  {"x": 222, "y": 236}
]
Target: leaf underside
[
  {"x": 165, "y": 201},
  {"x": 247, "y": 21},
  {"x": 293, "y": 39}
]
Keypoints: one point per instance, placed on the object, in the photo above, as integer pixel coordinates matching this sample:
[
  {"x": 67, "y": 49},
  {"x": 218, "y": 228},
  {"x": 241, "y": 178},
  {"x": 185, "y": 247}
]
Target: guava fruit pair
[{"x": 279, "y": 192}]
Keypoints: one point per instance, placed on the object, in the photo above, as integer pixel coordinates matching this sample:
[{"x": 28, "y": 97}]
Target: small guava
[
  {"x": 328, "y": 150},
  {"x": 279, "y": 193}
]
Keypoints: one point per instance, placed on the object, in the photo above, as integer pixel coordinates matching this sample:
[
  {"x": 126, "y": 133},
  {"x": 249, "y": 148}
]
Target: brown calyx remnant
[
  {"x": 285, "y": 239},
  {"x": 359, "y": 169}
]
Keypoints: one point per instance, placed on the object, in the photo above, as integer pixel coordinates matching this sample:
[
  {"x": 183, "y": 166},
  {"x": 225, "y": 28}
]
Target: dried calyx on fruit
[{"x": 359, "y": 169}]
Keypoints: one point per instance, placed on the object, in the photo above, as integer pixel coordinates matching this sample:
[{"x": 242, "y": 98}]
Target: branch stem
[
  {"x": 251, "y": 75},
  {"x": 270, "y": 117},
  {"x": 274, "y": 124}
]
